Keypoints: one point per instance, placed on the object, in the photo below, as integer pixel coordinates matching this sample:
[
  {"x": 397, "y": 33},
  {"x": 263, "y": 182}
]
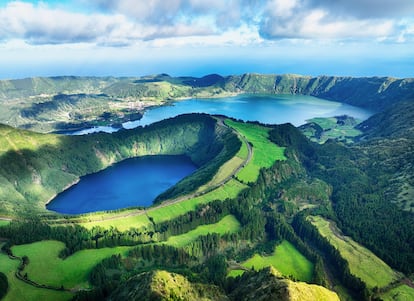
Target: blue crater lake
[{"x": 132, "y": 182}]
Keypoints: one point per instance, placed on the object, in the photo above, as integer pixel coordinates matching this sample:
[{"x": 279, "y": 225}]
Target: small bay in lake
[{"x": 133, "y": 182}]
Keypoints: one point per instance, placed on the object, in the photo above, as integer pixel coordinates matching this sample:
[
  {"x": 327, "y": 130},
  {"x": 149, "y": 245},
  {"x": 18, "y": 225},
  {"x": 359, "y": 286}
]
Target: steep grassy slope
[
  {"x": 362, "y": 262},
  {"x": 163, "y": 286},
  {"x": 35, "y": 167},
  {"x": 268, "y": 284}
]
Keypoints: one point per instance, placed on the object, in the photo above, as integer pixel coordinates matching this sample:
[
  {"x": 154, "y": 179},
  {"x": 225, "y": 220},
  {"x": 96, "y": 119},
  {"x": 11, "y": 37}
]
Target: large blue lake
[
  {"x": 133, "y": 182},
  {"x": 277, "y": 109},
  {"x": 137, "y": 182}
]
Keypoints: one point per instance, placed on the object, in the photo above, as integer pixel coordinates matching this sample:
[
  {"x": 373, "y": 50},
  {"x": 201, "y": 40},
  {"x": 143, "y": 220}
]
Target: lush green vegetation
[
  {"x": 400, "y": 293},
  {"x": 4, "y": 223},
  {"x": 265, "y": 153},
  {"x": 4, "y": 285},
  {"x": 286, "y": 259},
  {"x": 340, "y": 128},
  {"x": 362, "y": 262},
  {"x": 45, "y": 266},
  {"x": 19, "y": 290},
  {"x": 228, "y": 224},
  {"x": 268, "y": 284},
  {"x": 230, "y": 190},
  {"x": 362, "y": 179}
]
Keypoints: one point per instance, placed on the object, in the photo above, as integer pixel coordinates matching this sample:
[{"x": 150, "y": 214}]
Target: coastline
[{"x": 56, "y": 194}]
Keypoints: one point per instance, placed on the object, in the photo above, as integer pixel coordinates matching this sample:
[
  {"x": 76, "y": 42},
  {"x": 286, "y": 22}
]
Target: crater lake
[{"x": 133, "y": 182}]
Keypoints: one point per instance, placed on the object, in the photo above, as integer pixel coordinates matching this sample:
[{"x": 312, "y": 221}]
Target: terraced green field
[
  {"x": 45, "y": 267},
  {"x": 362, "y": 262},
  {"x": 286, "y": 259},
  {"x": 228, "y": 224}
]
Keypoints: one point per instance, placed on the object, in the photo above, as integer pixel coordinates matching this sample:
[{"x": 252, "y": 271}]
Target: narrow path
[{"x": 166, "y": 203}]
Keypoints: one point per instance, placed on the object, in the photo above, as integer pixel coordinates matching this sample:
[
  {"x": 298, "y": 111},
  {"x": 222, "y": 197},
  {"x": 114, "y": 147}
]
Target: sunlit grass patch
[
  {"x": 118, "y": 220},
  {"x": 19, "y": 290},
  {"x": 400, "y": 293},
  {"x": 265, "y": 153},
  {"x": 230, "y": 190},
  {"x": 286, "y": 259},
  {"x": 45, "y": 267},
  {"x": 228, "y": 224},
  {"x": 362, "y": 262}
]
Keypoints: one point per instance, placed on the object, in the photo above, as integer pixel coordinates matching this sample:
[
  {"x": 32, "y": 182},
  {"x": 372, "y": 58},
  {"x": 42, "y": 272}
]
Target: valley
[{"x": 266, "y": 209}]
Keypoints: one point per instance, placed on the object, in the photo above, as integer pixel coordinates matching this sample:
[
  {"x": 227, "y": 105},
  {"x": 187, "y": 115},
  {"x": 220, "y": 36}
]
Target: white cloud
[
  {"x": 299, "y": 21},
  {"x": 127, "y": 22}
]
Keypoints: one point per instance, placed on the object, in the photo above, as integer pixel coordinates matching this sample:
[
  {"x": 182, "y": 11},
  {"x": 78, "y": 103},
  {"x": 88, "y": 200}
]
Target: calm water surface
[
  {"x": 295, "y": 109},
  {"x": 133, "y": 182},
  {"x": 277, "y": 109}
]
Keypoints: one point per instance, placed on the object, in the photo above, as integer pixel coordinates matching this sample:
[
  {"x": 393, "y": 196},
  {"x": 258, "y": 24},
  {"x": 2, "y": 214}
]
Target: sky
[{"x": 199, "y": 37}]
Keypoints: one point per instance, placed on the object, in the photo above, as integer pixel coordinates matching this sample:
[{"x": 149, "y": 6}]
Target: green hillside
[{"x": 35, "y": 167}]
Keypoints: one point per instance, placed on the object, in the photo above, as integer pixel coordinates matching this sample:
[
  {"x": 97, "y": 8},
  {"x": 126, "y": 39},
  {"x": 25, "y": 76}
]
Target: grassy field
[
  {"x": 18, "y": 290},
  {"x": 286, "y": 259},
  {"x": 333, "y": 130},
  {"x": 228, "y": 224},
  {"x": 45, "y": 267},
  {"x": 265, "y": 153},
  {"x": 230, "y": 190},
  {"x": 4, "y": 223},
  {"x": 224, "y": 172},
  {"x": 400, "y": 293},
  {"x": 362, "y": 262},
  {"x": 121, "y": 223}
]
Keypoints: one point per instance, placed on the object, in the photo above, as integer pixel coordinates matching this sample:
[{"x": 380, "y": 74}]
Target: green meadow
[
  {"x": 400, "y": 293},
  {"x": 265, "y": 153},
  {"x": 45, "y": 267},
  {"x": 286, "y": 259},
  {"x": 228, "y": 224},
  {"x": 362, "y": 262},
  {"x": 230, "y": 190},
  {"x": 19, "y": 290},
  {"x": 4, "y": 223}
]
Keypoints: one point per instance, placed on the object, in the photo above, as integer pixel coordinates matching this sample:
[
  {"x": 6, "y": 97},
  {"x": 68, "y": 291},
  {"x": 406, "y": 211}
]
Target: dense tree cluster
[
  {"x": 4, "y": 285},
  {"x": 360, "y": 205}
]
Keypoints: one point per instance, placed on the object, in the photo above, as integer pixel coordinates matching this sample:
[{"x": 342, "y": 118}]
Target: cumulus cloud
[
  {"x": 321, "y": 19},
  {"x": 124, "y": 22},
  {"x": 43, "y": 25}
]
